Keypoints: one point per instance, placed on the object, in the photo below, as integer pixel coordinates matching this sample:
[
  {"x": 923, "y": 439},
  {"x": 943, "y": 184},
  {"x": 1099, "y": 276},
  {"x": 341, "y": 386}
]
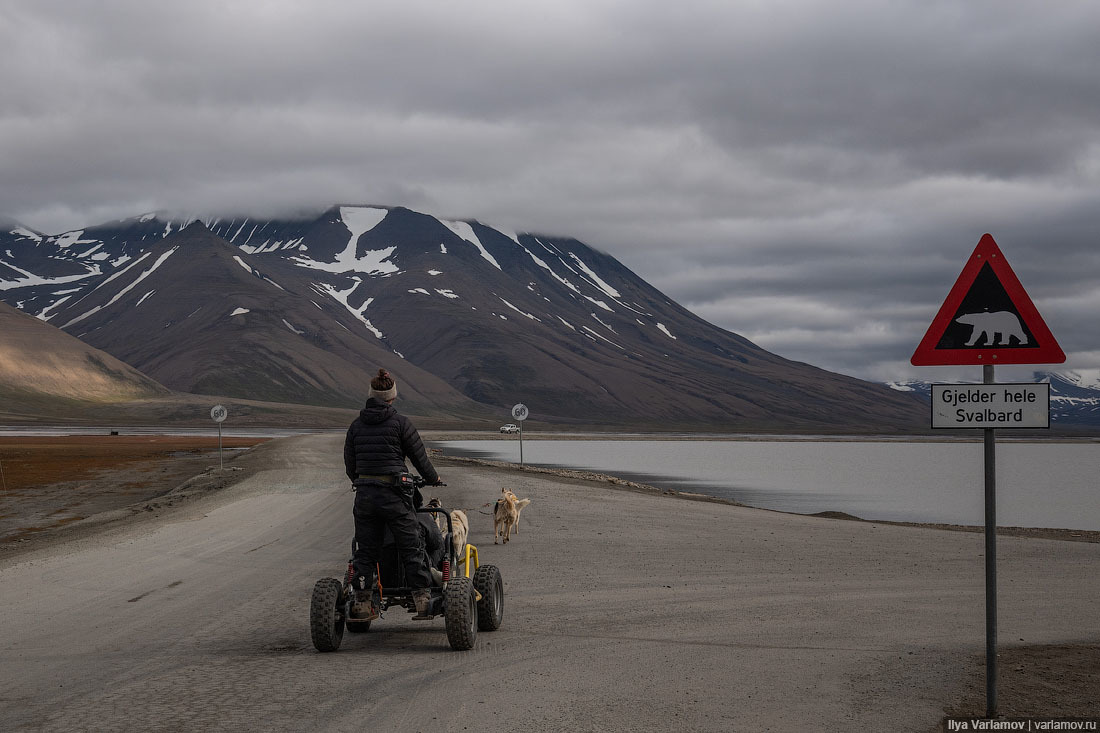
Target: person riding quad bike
[{"x": 375, "y": 449}]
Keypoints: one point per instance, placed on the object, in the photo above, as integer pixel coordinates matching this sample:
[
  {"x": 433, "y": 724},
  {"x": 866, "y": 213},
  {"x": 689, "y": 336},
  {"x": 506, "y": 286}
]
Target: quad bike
[{"x": 468, "y": 595}]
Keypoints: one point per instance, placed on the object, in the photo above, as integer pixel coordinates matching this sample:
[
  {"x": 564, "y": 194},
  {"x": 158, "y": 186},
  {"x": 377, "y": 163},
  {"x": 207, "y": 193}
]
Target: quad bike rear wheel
[
  {"x": 490, "y": 609},
  {"x": 460, "y": 614},
  {"x": 326, "y": 615}
]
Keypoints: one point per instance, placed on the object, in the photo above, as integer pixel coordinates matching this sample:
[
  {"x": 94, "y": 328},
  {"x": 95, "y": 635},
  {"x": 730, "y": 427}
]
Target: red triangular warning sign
[{"x": 987, "y": 318}]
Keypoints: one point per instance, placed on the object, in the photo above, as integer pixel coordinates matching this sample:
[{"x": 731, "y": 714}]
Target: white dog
[
  {"x": 520, "y": 503},
  {"x": 459, "y": 522},
  {"x": 462, "y": 530}
]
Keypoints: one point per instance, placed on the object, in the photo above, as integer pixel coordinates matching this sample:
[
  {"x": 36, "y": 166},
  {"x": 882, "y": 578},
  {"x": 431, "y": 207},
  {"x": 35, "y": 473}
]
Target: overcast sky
[{"x": 810, "y": 175}]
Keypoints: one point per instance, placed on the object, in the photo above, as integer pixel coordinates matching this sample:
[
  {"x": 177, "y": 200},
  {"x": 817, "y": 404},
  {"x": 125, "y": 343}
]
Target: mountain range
[{"x": 469, "y": 318}]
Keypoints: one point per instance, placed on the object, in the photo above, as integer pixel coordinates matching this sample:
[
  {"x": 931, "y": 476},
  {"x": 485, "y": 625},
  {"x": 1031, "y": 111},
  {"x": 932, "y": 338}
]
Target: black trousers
[{"x": 377, "y": 507}]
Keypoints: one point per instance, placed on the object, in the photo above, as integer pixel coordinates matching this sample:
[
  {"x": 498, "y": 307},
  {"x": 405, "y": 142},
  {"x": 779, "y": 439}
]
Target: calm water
[{"x": 1038, "y": 484}]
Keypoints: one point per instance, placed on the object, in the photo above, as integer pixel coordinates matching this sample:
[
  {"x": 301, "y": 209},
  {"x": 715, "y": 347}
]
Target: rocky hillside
[
  {"x": 470, "y": 318},
  {"x": 41, "y": 365}
]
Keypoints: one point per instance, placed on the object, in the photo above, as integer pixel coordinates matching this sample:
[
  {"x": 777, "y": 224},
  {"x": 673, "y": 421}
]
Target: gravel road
[{"x": 624, "y": 611}]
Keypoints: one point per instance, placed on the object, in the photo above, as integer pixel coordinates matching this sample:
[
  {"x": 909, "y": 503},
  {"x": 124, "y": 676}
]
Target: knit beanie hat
[{"x": 383, "y": 387}]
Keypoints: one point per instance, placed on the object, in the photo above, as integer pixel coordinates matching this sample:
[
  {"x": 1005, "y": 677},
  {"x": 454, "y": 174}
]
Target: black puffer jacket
[{"x": 379, "y": 441}]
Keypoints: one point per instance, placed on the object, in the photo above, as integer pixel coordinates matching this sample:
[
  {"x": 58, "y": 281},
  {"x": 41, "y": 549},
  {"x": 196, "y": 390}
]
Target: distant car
[{"x": 509, "y": 428}]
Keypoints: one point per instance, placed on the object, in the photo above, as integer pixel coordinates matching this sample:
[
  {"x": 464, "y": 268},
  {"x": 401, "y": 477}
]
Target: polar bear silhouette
[{"x": 994, "y": 326}]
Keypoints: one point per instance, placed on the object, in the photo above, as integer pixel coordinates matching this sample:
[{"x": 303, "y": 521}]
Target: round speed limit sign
[
  {"x": 218, "y": 413},
  {"x": 519, "y": 412}
]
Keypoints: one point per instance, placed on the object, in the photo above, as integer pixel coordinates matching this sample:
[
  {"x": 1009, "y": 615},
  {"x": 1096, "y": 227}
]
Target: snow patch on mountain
[
  {"x": 901, "y": 386},
  {"x": 602, "y": 337},
  {"x": 45, "y": 315},
  {"x": 508, "y": 233},
  {"x": 341, "y": 297},
  {"x": 292, "y": 328},
  {"x": 128, "y": 288},
  {"x": 466, "y": 232},
  {"x": 253, "y": 271},
  {"x": 446, "y": 293},
  {"x": 1084, "y": 378},
  {"x": 25, "y": 233},
  {"x": 542, "y": 263},
  {"x": 372, "y": 262},
  {"x": 29, "y": 278},
  {"x": 517, "y": 310},
  {"x": 358, "y": 220},
  {"x": 271, "y": 246},
  {"x": 119, "y": 273},
  {"x": 596, "y": 279},
  {"x": 68, "y": 239},
  {"x": 372, "y": 329},
  {"x": 666, "y": 331},
  {"x": 239, "y": 312},
  {"x": 361, "y": 219},
  {"x": 599, "y": 303},
  {"x": 605, "y": 325}
]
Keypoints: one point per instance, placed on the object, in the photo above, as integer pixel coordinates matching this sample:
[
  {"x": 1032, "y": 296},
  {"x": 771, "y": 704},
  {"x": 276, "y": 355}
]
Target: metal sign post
[
  {"x": 990, "y": 560},
  {"x": 519, "y": 414},
  {"x": 218, "y": 413}
]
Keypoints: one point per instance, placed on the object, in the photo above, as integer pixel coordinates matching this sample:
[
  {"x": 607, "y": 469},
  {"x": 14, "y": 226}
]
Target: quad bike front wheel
[
  {"x": 460, "y": 613},
  {"x": 490, "y": 609},
  {"x": 326, "y": 615}
]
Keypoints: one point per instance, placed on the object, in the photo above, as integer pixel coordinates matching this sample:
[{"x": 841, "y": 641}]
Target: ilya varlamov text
[{"x": 1021, "y": 724}]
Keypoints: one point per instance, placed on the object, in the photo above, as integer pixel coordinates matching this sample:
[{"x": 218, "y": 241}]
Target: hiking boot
[
  {"x": 362, "y": 605},
  {"x": 422, "y": 597},
  {"x": 362, "y": 608}
]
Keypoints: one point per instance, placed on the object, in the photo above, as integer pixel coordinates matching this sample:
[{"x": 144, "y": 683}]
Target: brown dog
[{"x": 505, "y": 515}]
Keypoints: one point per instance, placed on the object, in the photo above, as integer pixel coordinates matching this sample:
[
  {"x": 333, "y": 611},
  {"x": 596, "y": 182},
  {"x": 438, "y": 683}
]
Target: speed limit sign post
[
  {"x": 519, "y": 414},
  {"x": 218, "y": 413}
]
